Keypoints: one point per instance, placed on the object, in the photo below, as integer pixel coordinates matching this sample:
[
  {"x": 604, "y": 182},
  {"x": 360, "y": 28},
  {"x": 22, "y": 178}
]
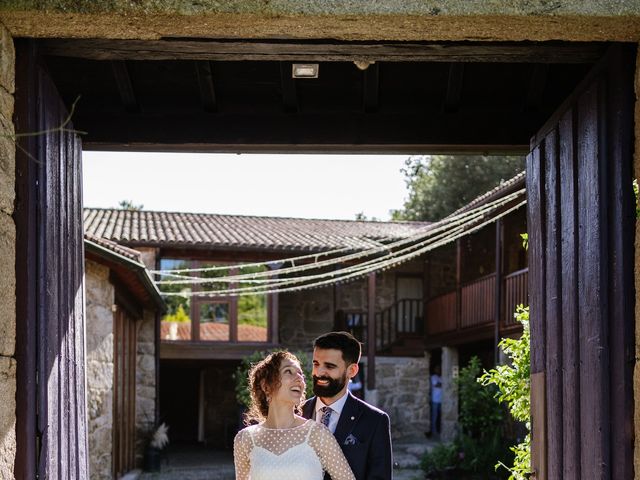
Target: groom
[{"x": 362, "y": 430}]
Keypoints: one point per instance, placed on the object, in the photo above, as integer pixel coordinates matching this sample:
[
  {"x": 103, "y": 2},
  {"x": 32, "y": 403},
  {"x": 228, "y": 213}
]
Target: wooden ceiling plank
[
  {"x": 101, "y": 49},
  {"x": 288, "y": 85},
  {"x": 371, "y": 88},
  {"x": 125, "y": 86},
  {"x": 204, "y": 73},
  {"x": 537, "y": 84},
  {"x": 454, "y": 87}
]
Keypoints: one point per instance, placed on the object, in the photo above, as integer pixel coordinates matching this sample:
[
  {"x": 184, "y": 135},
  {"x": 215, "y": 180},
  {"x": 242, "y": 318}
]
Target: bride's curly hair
[{"x": 264, "y": 379}]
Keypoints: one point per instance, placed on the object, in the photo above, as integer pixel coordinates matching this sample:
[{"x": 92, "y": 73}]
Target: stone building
[
  {"x": 201, "y": 352},
  {"x": 580, "y": 426},
  {"x": 122, "y": 305}
]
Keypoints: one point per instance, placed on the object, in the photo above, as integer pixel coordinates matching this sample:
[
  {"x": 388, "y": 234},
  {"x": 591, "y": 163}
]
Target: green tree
[
  {"x": 440, "y": 184},
  {"x": 129, "y": 205}
]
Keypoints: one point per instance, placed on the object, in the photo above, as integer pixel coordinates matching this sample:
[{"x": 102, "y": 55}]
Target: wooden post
[
  {"x": 274, "y": 305},
  {"x": 458, "y": 283},
  {"x": 426, "y": 294},
  {"x": 233, "y": 310},
  {"x": 371, "y": 333},
  {"x": 498, "y": 287},
  {"x": 538, "y": 427}
]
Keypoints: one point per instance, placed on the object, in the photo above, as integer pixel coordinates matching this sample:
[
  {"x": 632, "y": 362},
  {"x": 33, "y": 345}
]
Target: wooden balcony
[{"x": 472, "y": 309}]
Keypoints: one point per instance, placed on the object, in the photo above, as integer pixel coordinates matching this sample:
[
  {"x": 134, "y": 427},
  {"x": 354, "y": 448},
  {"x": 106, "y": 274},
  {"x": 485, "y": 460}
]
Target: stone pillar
[
  {"x": 100, "y": 297},
  {"x": 403, "y": 392},
  {"x": 7, "y": 259},
  {"x": 449, "y": 393},
  {"x": 145, "y": 381}
]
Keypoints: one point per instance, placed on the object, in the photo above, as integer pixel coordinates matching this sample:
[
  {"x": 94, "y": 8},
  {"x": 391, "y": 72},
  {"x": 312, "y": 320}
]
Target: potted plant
[{"x": 158, "y": 440}]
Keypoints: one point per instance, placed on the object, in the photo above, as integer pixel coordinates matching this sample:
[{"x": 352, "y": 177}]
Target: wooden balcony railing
[
  {"x": 477, "y": 304},
  {"x": 441, "y": 313},
  {"x": 516, "y": 291},
  {"x": 405, "y": 317}
]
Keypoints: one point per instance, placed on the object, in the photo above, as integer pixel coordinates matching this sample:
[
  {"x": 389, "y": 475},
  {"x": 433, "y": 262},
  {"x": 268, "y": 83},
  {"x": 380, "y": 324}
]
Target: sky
[{"x": 303, "y": 186}]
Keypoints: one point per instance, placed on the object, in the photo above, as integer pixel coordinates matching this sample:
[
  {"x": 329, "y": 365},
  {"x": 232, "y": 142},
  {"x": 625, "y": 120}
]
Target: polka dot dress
[{"x": 299, "y": 453}]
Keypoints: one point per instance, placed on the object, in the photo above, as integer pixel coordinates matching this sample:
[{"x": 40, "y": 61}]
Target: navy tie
[{"x": 326, "y": 416}]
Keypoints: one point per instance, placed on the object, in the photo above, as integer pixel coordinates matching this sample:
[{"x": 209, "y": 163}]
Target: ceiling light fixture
[{"x": 305, "y": 70}]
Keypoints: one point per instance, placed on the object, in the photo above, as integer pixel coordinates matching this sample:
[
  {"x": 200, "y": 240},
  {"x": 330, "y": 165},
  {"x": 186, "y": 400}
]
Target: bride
[{"x": 279, "y": 443}]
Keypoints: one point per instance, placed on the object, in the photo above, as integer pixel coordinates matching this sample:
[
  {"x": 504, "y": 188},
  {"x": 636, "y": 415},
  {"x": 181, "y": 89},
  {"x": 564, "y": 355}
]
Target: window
[{"x": 222, "y": 318}]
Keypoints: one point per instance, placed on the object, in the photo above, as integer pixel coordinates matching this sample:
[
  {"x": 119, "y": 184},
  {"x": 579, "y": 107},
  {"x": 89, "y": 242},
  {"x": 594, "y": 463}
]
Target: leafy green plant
[
  {"x": 241, "y": 375},
  {"x": 480, "y": 412},
  {"x": 179, "y": 316},
  {"x": 442, "y": 457},
  {"x": 514, "y": 388}
]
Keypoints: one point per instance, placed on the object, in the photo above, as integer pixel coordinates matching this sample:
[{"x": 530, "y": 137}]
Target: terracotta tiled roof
[
  {"x": 126, "y": 252},
  {"x": 217, "y": 332},
  {"x": 236, "y": 231}
]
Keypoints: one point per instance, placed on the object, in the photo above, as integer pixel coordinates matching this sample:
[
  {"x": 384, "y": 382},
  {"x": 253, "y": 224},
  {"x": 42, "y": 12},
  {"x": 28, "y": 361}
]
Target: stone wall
[
  {"x": 307, "y": 314},
  {"x": 449, "y": 419},
  {"x": 145, "y": 381},
  {"x": 636, "y": 386},
  {"x": 7, "y": 259},
  {"x": 302, "y": 316},
  {"x": 402, "y": 390},
  {"x": 100, "y": 297}
]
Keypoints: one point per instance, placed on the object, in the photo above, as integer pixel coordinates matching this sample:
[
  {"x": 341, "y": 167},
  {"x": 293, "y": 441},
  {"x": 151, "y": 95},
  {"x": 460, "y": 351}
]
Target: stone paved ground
[{"x": 199, "y": 463}]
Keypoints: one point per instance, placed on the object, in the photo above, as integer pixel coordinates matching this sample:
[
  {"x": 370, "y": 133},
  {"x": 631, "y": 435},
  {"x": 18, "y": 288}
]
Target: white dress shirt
[{"x": 336, "y": 406}]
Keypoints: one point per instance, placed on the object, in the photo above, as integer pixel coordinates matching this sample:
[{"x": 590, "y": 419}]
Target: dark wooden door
[
  {"x": 581, "y": 229},
  {"x": 124, "y": 393},
  {"x": 51, "y": 427}
]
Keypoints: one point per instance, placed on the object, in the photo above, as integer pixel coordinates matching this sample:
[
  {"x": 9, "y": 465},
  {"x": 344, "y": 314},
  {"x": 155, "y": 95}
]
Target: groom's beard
[{"x": 332, "y": 388}]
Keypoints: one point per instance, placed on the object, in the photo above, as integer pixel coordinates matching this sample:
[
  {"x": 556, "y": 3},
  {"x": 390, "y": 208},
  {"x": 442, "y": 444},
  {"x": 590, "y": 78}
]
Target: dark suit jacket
[{"x": 364, "y": 434}]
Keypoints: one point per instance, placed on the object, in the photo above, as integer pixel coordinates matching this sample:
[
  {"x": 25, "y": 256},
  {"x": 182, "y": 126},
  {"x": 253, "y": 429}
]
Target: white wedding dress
[{"x": 304, "y": 452}]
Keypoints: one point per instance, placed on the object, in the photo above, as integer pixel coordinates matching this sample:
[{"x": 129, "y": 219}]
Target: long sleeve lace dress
[{"x": 304, "y": 452}]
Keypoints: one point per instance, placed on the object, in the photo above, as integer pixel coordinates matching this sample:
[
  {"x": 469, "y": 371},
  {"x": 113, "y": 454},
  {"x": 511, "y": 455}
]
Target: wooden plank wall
[
  {"x": 580, "y": 220},
  {"x": 50, "y": 222}
]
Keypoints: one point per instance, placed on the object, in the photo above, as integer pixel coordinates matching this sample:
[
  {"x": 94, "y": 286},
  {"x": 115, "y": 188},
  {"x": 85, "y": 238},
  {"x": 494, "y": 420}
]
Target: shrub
[
  {"x": 442, "y": 457},
  {"x": 514, "y": 389}
]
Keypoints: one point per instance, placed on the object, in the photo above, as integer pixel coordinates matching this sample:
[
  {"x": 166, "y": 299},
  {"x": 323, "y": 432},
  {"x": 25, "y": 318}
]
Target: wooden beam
[
  {"x": 125, "y": 87},
  {"x": 288, "y": 85},
  {"x": 458, "y": 283},
  {"x": 210, "y": 350},
  {"x": 537, "y": 84},
  {"x": 204, "y": 73},
  {"x": 355, "y": 131},
  {"x": 454, "y": 87},
  {"x": 371, "y": 96},
  {"x": 216, "y": 50},
  {"x": 498, "y": 289},
  {"x": 538, "y": 426},
  {"x": 371, "y": 332}
]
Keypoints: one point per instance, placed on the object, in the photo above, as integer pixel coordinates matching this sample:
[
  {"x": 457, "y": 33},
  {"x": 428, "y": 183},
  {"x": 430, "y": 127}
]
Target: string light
[
  {"x": 384, "y": 262},
  {"x": 443, "y": 225}
]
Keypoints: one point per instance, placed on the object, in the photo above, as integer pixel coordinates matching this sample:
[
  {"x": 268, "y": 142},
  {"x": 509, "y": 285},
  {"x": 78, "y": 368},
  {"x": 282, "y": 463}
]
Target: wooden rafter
[
  {"x": 204, "y": 73},
  {"x": 125, "y": 86},
  {"x": 537, "y": 84},
  {"x": 371, "y": 89},
  {"x": 288, "y": 84},
  {"x": 454, "y": 87}
]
